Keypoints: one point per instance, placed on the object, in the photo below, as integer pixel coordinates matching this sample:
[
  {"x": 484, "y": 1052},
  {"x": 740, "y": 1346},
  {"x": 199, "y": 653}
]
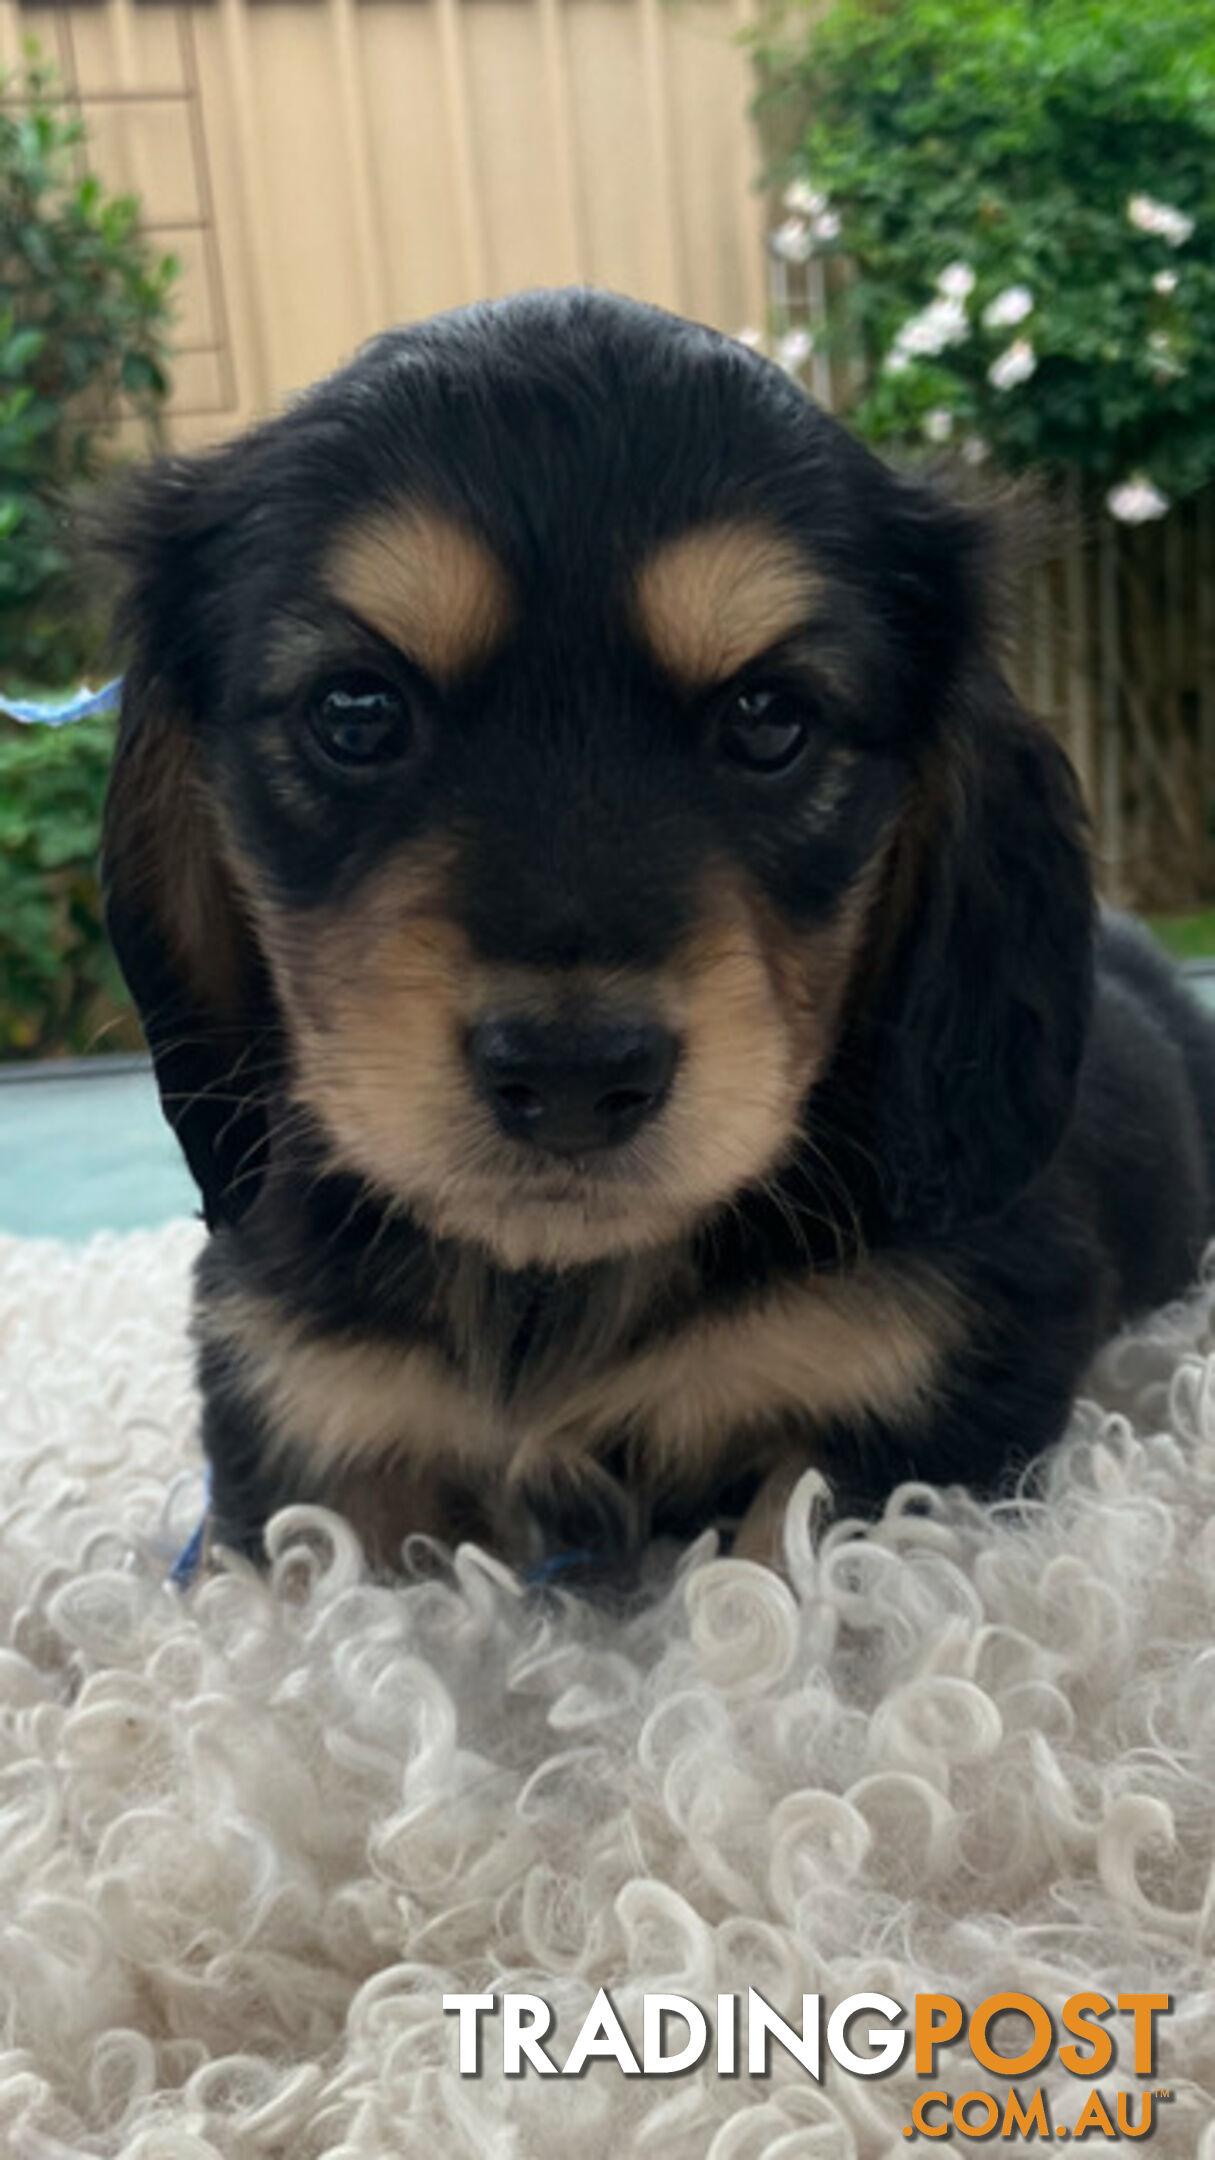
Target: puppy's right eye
[
  {"x": 763, "y": 730},
  {"x": 359, "y": 720}
]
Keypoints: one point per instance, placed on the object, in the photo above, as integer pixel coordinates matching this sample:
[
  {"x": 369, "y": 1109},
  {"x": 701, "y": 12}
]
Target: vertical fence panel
[
  {"x": 465, "y": 178},
  {"x": 1203, "y": 667},
  {"x": 665, "y": 207},
  {"x": 357, "y": 143},
  {"x": 562, "y": 119},
  {"x": 414, "y": 154},
  {"x": 1077, "y": 717}
]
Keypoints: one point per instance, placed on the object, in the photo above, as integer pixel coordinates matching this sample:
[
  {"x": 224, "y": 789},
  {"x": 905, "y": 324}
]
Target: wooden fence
[{"x": 325, "y": 167}]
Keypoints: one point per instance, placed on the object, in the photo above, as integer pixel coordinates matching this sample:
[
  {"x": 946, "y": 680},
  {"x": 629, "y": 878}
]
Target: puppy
[{"x": 617, "y": 959}]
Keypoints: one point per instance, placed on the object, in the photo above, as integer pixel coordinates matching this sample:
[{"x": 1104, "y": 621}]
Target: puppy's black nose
[{"x": 570, "y": 1089}]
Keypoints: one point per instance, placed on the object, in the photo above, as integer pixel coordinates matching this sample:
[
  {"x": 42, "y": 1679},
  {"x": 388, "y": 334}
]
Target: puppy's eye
[
  {"x": 763, "y": 730},
  {"x": 360, "y": 720}
]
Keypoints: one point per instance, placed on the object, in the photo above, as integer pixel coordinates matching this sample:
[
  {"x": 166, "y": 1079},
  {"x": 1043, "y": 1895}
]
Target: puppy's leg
[
  {"x": 758, "y": 1536},
  {"x": 386, "y": 1505},
  {"x": 255, "y": 1472}
]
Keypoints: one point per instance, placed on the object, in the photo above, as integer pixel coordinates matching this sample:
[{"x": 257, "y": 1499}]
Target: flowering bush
[{"x": 1025, "y": 190}]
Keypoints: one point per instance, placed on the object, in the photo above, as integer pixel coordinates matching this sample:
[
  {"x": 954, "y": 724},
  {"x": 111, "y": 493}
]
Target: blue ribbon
[
  {"x": 185, "y": 1568},
  {"x": 554, "y": 1564},
  {"x": 84, "y": 704}
]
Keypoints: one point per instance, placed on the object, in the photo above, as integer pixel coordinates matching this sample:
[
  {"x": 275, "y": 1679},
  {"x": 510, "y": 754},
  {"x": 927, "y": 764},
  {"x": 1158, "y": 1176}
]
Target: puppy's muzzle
[{"x": 571, "y": 1089}]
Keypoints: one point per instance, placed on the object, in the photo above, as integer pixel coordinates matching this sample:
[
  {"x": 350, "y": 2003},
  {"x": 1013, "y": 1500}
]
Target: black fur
[{"x": 1041, "y": 1133}]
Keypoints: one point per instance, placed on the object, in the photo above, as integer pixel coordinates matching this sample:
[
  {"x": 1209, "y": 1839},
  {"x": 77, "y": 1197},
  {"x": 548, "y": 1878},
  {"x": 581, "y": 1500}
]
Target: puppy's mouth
[
  {"x": 583, "y": 1182},
  {"x": 606, "y": 1186},
  {"x": 529, "y": 1212}
]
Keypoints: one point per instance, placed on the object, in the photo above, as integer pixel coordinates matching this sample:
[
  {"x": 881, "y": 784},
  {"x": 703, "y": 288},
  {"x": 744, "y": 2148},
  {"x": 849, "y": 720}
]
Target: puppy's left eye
[
  {"x": 763, "y": 729},
  {"x": 359, "y": 719}
]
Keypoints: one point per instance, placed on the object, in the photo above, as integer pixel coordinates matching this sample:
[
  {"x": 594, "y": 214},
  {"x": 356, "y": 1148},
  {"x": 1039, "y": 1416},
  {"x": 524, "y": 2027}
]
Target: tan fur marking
[
  {"x": 868, "y": 1342},
  {"x": 721, "y": 595},
  {"x": 164, "y": 850},
  {"x": 428, "y": 585},
  {"x": 338, "y": 1402}
]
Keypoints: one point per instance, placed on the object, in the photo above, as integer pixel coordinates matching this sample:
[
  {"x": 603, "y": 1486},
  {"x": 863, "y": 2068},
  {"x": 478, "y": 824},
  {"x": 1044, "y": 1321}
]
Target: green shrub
[
  {"x": 59, "y": 985},
  {"x": 84, "y": 308},
  {"x": 1048, "y": 165}
]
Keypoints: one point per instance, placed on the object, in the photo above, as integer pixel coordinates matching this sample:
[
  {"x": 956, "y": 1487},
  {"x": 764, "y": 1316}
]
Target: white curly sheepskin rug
[{"x": 250, "y": 1836}]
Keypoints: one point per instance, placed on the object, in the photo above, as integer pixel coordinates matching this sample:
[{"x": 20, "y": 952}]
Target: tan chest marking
[
  {"x": 871, "y": 1342},
  {"x": 335, "y": 1401}
]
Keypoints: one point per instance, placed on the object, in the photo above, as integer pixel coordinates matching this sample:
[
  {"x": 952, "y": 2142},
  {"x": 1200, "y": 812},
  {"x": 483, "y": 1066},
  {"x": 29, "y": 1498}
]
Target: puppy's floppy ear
[
  {"x": 173, "y": 907},
  {"x": 979, "y": 1015},
  {"x": 972, "y": 1005}
]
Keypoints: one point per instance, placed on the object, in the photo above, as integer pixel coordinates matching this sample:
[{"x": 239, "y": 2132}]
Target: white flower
[
  {"x": 1136, "y": 500},
  {"x": 794, "y": 349},
  {"x": 957, "y": 281},
  {"x": 1149, "y": 216},
  {"x": 938, "y": 424},
  {"x": 975, "y": 450},
  {"x": 1165, "y": 282},
  {"x": 946, "y": 318},
  {"x": 793, "y": 241},
  {"x": 796, "y": 240},
  {"x": 803, "y": 200},
  {"x": 1166, "y": 365},
  {"x": 1009, "y": 308},
  {"x": 1014, "y": 365},
  {"x": 943, "y": 322},
  {"x": 753, "y": 339}
]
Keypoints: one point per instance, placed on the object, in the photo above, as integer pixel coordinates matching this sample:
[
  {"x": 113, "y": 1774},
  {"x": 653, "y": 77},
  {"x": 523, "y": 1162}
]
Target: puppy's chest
[
  {"x": 517, "y": 1340},
  {"x": 508, "y": 1380},
  {"x": 461, "y": 1363}
]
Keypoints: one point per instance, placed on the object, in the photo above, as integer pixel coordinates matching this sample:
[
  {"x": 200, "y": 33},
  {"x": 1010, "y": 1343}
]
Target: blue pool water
[{"x": 83, "y": 1146}]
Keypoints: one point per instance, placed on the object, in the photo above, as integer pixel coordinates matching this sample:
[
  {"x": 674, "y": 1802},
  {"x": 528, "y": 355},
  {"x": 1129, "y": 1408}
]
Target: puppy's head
[{"x": 553, "y": 754}]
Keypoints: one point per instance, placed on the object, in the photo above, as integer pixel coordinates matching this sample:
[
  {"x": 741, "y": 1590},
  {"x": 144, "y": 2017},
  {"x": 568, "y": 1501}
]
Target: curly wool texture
[{"x": 250, "y": 1836}]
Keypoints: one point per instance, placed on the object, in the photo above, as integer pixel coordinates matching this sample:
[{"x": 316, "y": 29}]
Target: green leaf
[
  {"x": 141, "y": 375},
  {"x": 20, "y": 350}
]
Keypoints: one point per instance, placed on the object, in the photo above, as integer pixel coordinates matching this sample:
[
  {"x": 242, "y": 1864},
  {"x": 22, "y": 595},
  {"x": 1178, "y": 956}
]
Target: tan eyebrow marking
[
  {"x": 720, "y": 595},
  {"x": 427, "y": 584}
]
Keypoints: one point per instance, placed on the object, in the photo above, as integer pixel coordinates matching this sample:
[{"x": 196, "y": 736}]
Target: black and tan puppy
[{"x": 617, "y": 959}]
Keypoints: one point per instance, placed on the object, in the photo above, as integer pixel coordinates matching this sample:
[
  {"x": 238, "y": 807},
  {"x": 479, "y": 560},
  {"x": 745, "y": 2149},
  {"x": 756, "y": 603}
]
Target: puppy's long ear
[
  {"x": 173, "y": 907},
  {"x": 973, "y": 1004},
  {"x": 981, "y": 1009}
]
